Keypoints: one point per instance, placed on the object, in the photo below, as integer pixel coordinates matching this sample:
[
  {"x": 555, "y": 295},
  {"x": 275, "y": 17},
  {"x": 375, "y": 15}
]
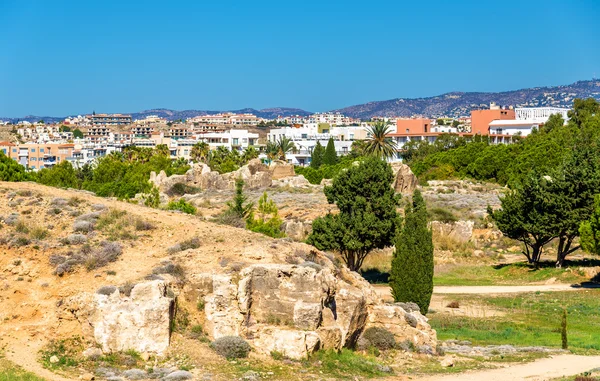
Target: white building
[
  {"x": 539, "y": 115},
  {"x": 305, "y": 139},
  {"x": 232, "y": 139}
]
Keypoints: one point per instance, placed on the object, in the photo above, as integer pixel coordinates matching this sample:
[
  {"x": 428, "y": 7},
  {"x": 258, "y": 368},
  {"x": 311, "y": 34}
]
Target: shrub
[
  {"x": 38, "y": 232},
  {"x": 106, "y": 290},
  {"x": 442, "y": 215},
  {"x": 231, "y": 347},
  {"x": 142, "y": 225},
  {"x": 182, "y": 206},
  {"x": 126, "y": 288},
  {"x": 379, "y": 338},
  {"x": 59, "y": 201},
  {"x": 12, "y": 219},
  {"x": 19, "y": 241},
  {"x": 268, "y": 221},
  {"x": 230, "y": 218},
  {"x": 170, "y": 268},
  {"x": 83, "y": 226},
  {"x": 76, "y": 239},
  {"x": 21, "y": 227},
  {"x": 180, "y": 189}
]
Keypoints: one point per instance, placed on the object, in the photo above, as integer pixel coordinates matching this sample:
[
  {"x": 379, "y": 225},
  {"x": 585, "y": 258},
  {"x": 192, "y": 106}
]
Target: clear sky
[{"x": 67, "y": 57}]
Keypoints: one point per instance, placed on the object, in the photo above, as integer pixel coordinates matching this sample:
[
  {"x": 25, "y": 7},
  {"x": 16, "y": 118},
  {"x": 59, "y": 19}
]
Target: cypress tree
[
  {"x": 316, "y": 157},
  {"x": 411, "y": 277},
  {"x": 330, "y": 156}
]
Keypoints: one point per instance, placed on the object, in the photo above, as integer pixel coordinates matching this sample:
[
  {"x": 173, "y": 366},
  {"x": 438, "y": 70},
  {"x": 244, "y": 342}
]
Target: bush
[
  {"x": 83, "y": 226},
  {"x": 230, "y": 218},
  {"x": 379, "y": 338},
  {"x": 170, "y": 268},
  {"x": 38, "y": 232},
  {"x": 106, "y": 290},
  {"x": 231, "y": 347},
  {"x": 180, "y": 189},
  {"x": 192, "y": 243},
  {"x": 21, "y": 227},
  {"x": 76, "y": 239},
  {"x": 182, "y": 206},
  {"x": 442, "y": 215}
]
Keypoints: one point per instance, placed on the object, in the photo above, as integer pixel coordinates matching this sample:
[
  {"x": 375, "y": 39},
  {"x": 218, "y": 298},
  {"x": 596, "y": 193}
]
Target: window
[
  {"x": 33, "y": 150},
  {"x": 34, "y": 159},
  {"x": 41, "y": 150},
  {"x": 14, "y": 150}
]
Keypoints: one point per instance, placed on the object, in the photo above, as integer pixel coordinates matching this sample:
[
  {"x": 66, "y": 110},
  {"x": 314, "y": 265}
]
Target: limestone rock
[
  {"x": 223, "y": 316},
  {"x": 140, "y": 322},
  {"x": 293, "y": 182},
  {"x": 307, "y": 315},
  {"x": 179, "y": 375},
  {"x": 297, "y": 230},
  {"x": 280, "y": 169},
  {"x": 92, "y": 353},
  {"x": 405, "y": 181},
  {"x": 447, "y": 362},
  {"x": 331, "y": 338},
  {"x": 291, "y": 343},
  {"x": 54, "y": 359},
  {"x": 87, "y": 377},
  {"x": 460, "y": 231},
  {"x": 394, "y": 319}
]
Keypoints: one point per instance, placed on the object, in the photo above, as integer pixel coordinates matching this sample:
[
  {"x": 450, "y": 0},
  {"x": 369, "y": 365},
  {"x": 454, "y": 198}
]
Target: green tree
[
  {"x": 64, "y": 128},
  {"x": 583, "y": 110},
  {"x": 10, "y": 170},
  {"x": 77, "y": 133},
  {"x": 528, "y": 214},
  {"x": 182, "y": 206},
  {"x": 367, "y": 217},
  {"x": 239, "y": 205},
  {"x": 284, "y": 145},
  {"x": 378, "y": 143},
  {"x": 266, "y": 221},
  {"x": 200, "y": 152},
  {"x": 250, "y": 153},
  {"x": 61, "y": 175},
  {"x": 163, "y": 150},
  {"x": 440, "y": 122},
  {"x": 330, "y": 156},
  {"x": 554, "y": 121},
  {"x": 316, "y": 157},
  {"x": 411, "y": 277},
  {"x": 590, "y": 230}
]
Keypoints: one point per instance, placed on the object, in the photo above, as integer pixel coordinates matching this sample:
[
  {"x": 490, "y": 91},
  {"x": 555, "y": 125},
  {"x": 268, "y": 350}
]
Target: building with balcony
[{"x": 110, "y": 119}]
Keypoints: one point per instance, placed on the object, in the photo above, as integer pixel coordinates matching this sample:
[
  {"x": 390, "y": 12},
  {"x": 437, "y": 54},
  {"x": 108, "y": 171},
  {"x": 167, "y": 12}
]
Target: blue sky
[{"x": 69, "y": 57}]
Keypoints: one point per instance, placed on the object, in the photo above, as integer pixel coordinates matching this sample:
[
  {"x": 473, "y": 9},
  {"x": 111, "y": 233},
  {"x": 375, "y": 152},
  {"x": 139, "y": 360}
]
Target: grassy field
[
  {"x": 9, "y": 372},
  {"x": 531, "y": 319},
  {"x": 509, "y": 274}
]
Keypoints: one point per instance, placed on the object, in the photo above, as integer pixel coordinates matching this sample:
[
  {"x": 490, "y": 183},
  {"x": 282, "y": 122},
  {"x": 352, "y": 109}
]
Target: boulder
[
  {"x": 404, "y": 325},
  {"x": 330, "y": 338},
  {"x": 405, "y": 181},
  {"x": 460, "y": 231},
  {"x": 297, "y": 230},
  {"x": 280, "y": 169},
  {"x": 293, "y": 182},
  {"x": 294, "y": 344},
  {"x": 223, "y": 316},
  {"x": 140, "y": 322}
]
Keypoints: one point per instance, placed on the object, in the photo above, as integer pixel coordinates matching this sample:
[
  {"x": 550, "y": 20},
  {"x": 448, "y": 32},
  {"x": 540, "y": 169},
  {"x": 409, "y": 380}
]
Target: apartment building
[
  {"x": 142, "y": 130},
  {"x": 180, "y": 132},
  {"x": 227, "y": 119},
  {"x": 305, "y": 139},
  {"x": 37, "y": 156},
  {"x": 231, "y": 139},
  {"x": 110, "y": 119}
]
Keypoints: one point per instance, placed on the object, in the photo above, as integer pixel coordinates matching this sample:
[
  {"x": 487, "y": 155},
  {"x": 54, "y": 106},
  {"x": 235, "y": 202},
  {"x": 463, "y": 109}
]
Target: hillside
[
  {"x": 450, "y": 104},
  {"x": 457, "y": 104}
]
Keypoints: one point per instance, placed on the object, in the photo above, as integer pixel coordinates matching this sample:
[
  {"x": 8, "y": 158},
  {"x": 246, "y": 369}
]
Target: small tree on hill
[
  {"x": 411, "y": 277},
  {"x": 77, "y": 133},
  {"x": 330, "y": 156},
  {"x": 238, "y": 205},
  {"x": 367, "y": 217},
  {"x": 316, "y": 157},
  {"x": 266, "y": 220}
]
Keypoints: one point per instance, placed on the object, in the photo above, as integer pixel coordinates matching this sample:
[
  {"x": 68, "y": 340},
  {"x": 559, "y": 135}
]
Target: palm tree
[
  {"x": 271, "y": 150},
  {"x": 378, "y": 143},
  {"x": 200, "y": 152},
  {"x": 249, "y": 154},
  {"x": 163, "y": 150},
  {"x": 284, "y": 145}
]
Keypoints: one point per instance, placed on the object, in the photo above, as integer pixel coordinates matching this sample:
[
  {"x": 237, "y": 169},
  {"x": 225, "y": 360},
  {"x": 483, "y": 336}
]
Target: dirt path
[
  {"x": 544, "y": 369},
  {"x": 384, "y": 290}
]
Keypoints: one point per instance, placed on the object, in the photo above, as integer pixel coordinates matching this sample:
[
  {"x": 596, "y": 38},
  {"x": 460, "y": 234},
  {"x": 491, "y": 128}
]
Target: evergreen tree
[
  {"x": 367, "y": 217},
  {"x": 238, "y": 205},
  {"x": 411, "y": 276},
  {"x": 316, "y": 157},
  {"x": 330, "y": 156}
]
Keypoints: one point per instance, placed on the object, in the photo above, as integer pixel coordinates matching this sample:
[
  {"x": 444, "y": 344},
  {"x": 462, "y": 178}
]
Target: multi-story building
[
  {"x": 231, "y": 139},
  {"x": 305, "y": 139},
  {"x": 180, "y": 132},
  {"x": 142, "y": 130},
  {"x": 227, "y": 119},
  {"x": 110, "y": 119},
  {"x": 37, "y": 156}
]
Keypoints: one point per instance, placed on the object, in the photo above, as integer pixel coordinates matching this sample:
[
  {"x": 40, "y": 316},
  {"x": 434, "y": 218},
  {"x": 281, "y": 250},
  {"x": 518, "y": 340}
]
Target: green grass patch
[
  {"x": 510, "y": 274},
  {"x": 531, "y": 319},
  {"x": 11, "y": 372},
  {"x": 346, "y": 364}
]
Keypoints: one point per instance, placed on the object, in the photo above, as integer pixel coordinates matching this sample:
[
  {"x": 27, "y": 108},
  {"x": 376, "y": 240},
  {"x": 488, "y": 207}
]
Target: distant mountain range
[
  {"x": 451, "y": 104},
  {"x": 457, "y": 104}
]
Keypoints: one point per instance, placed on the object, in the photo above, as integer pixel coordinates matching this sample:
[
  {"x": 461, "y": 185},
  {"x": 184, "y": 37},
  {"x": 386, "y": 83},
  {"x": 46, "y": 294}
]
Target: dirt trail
[
  {"x": 384, "y": 290},
  {"x": 543, "y": 369}
]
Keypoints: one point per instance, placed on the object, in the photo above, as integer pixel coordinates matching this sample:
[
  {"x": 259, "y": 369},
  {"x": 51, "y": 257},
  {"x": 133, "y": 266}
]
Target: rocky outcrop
[
  {"x": 280, "y": 169},
  {"x": 296, "y": 309},
  {"x": 405, "y": 181},
  {"x": 293, "y": 182},
  {"x": 460, "y": 231},
  {"x": 255, "y": 175},
  {"x": 117, "y": 322},
  {"x": 297, "y": 230}
]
